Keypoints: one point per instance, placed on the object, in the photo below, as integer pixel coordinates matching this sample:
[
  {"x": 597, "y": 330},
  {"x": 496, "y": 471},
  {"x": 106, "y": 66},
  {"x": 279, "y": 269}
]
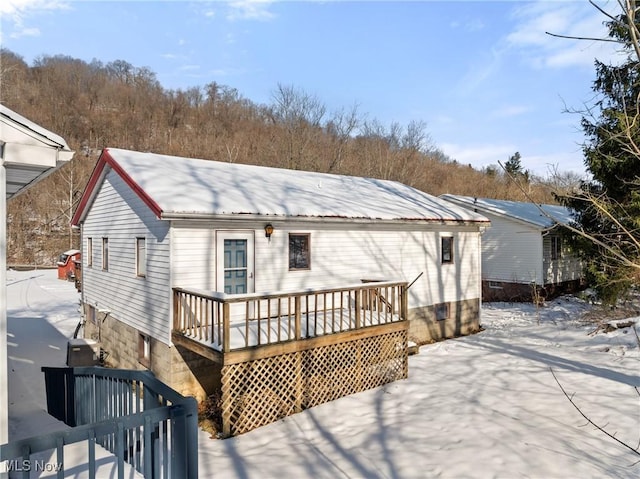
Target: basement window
[
  {"x": 442, "y": 311},
  {"x": 144, "y": 350}
]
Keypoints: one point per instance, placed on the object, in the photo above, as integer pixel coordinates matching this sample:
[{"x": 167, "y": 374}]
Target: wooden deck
[
  {"x": 228, "y": 323},
  {"x": 281, "y": 353}
]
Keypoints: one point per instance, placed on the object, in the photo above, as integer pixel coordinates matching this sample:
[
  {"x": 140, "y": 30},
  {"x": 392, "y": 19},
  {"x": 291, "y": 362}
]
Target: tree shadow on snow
[{"x": 558, "y": 362}]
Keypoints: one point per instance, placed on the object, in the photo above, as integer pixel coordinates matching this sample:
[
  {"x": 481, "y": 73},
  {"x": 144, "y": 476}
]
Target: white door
[{"x": 234, "y": 262}]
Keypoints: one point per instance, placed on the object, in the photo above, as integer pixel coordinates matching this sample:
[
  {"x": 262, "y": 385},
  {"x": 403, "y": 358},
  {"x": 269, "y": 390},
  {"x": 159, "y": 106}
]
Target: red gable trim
[{"x": 107, "y": 160}]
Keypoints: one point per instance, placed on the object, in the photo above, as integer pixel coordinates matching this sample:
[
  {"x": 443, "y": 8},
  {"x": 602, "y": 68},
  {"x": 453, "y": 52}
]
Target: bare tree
[{"x": 300, "y": 115}]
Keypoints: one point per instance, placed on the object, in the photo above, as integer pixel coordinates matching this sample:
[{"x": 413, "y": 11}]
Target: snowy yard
[{"x": 476, "y": 407}]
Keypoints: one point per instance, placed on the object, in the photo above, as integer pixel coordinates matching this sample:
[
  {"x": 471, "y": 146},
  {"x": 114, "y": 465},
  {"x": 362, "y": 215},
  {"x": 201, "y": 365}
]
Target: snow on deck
[{"x": 277, "y": 329}]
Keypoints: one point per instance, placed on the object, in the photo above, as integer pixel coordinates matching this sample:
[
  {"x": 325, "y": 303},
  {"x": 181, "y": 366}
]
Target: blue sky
[{"x": 482, "y": 75}]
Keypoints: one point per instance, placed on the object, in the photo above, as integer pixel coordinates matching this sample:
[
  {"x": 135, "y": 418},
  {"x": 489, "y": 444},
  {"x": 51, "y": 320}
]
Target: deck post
[
  {"x": 298, "y": 314},
  {"x": 404, "y": 302},
  {"x": 358, "y": 305},
  {"x": 226, "y": 340},
  {"x": 176, "y": 324}
]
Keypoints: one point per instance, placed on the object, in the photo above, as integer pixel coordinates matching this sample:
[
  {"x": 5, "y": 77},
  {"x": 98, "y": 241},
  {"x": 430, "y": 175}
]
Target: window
[
  {"x": 141, "y": 257},
  {"x": 144, "y": 350},
  {"x": 105, "y": 253},
  {"x": 556, "y": 247},
  {"x": 442, "y": 311},
  {"x": 91, "y": 315},
  {"x": 299, "y": 252},
  {"x": 447, "y": 249},
  {"x": 495, "y": 285},
  {"x": 89, "y": 252}
]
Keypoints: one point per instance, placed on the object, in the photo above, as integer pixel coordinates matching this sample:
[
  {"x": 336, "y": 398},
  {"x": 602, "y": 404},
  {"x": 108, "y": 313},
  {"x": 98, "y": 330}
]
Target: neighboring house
[
  {"x": 525, "y": 251},
  {"x": 28, "y": 153},
  {"x": 152, "y": 224}
]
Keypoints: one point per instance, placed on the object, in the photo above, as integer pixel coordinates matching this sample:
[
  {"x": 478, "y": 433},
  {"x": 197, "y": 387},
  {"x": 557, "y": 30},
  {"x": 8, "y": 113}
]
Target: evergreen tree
[
  {"x": 514, "y": 169},
  {"x": 608, "y": 206},
  {"x": 513, "y": 166}
]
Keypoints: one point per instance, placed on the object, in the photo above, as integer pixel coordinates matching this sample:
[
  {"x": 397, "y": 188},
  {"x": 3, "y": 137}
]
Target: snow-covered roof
[
  {"x": 57, "y": 140},
  {"x": 539, "y": 215},
  {"x": 174, "y": 187},
  {"x": 29, "y": 151}
]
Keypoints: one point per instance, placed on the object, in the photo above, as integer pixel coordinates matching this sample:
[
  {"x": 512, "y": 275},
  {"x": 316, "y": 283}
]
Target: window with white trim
[
  {"x": 89, "y": 252},
  {"x": 105, "y": 254},
  {"x": 556, "y": 248},
  {"x": 447, "y": 249},
  {"x": 299, "y": 251},
  {"x": 141, "y": 257}
]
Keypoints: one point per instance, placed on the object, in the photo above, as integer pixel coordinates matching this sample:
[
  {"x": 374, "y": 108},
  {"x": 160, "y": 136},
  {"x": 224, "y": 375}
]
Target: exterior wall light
[{"x": 268, "y": 230}]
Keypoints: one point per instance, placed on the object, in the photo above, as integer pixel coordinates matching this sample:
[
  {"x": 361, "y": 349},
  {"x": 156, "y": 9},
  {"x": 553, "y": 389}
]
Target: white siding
[
  {"x": 566, "y": 268},
  {"x": 141, "y": 302},
  {"x": 339, "y": 256},
  {"x": 511, "y": 252}
]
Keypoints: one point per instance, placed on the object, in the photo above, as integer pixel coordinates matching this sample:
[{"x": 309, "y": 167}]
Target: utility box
[
  {"x": 83, "y": 352},
  {"x": 66, "y": 264}
]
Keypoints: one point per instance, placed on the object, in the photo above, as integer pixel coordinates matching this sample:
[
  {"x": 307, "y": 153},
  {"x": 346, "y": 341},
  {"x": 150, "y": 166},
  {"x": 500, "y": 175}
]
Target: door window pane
[{"x": 235, "y": 266}]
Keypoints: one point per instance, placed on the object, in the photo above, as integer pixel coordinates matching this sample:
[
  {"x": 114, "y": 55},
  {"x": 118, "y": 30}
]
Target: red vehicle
[{"x": 67, "y": 264}]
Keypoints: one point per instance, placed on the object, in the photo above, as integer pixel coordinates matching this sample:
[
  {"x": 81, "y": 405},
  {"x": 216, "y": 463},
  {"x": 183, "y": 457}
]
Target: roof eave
[
  {"x": 105, "y": 163},
  {"x": 181, "y": 216}
]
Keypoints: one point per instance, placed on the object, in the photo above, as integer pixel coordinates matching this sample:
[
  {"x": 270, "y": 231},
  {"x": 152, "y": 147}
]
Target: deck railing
[
  {"x": 227, "y": 322},
  {"x": 147, "y": 426}
]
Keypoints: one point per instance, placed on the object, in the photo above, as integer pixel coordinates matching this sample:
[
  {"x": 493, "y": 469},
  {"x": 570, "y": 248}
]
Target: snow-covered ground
[{"x": 475, "y": 407}]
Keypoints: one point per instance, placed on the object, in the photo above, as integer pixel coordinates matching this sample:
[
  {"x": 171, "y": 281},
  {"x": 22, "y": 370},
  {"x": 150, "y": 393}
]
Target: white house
[
  {"x": 28, "y": 153},
  {"x": 151, "y": 223},
  {"x": 525, "y": 247}
]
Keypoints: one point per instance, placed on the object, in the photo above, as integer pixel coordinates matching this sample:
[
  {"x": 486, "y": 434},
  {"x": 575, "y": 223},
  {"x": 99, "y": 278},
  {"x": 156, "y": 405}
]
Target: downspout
[
  {"x": 4, "y": 382},
  {"x": 481, "y": 231}
]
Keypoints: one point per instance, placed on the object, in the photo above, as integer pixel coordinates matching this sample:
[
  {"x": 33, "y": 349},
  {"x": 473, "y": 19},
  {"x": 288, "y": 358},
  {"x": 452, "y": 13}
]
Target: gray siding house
[
  {"x": 524, "y": 250},
  {"x": 152, "y": 224}
]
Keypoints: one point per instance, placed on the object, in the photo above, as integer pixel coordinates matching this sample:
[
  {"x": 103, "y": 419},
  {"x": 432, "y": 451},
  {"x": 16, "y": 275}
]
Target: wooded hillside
[{"x": 95, "y": 105}]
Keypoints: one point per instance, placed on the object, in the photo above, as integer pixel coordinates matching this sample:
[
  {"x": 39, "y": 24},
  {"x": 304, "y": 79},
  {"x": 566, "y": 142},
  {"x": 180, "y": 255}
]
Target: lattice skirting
[{"x": 256, "y": 393}]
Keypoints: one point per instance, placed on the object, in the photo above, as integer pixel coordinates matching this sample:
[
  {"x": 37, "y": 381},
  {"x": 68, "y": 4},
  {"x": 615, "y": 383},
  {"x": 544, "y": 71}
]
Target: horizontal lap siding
[
  {"x": 511, "y": 252},
  {"x": 567, "y": 268},
  {"x": 143, "y": 303},
  {"x": 194, "y": 253},
  {"x": 340, "y": 256}
]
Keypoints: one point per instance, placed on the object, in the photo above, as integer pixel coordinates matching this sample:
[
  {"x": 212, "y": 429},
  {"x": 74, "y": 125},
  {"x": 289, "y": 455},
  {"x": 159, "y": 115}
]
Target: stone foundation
[
  {"x": 193, "y": 375},
  {"x": 185, "y": 371},
  {"x": 463, "y": 319}
]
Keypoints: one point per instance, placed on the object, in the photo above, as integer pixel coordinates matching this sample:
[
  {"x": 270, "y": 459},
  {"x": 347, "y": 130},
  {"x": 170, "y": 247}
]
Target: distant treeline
[{"x": 95, "y": 105}]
